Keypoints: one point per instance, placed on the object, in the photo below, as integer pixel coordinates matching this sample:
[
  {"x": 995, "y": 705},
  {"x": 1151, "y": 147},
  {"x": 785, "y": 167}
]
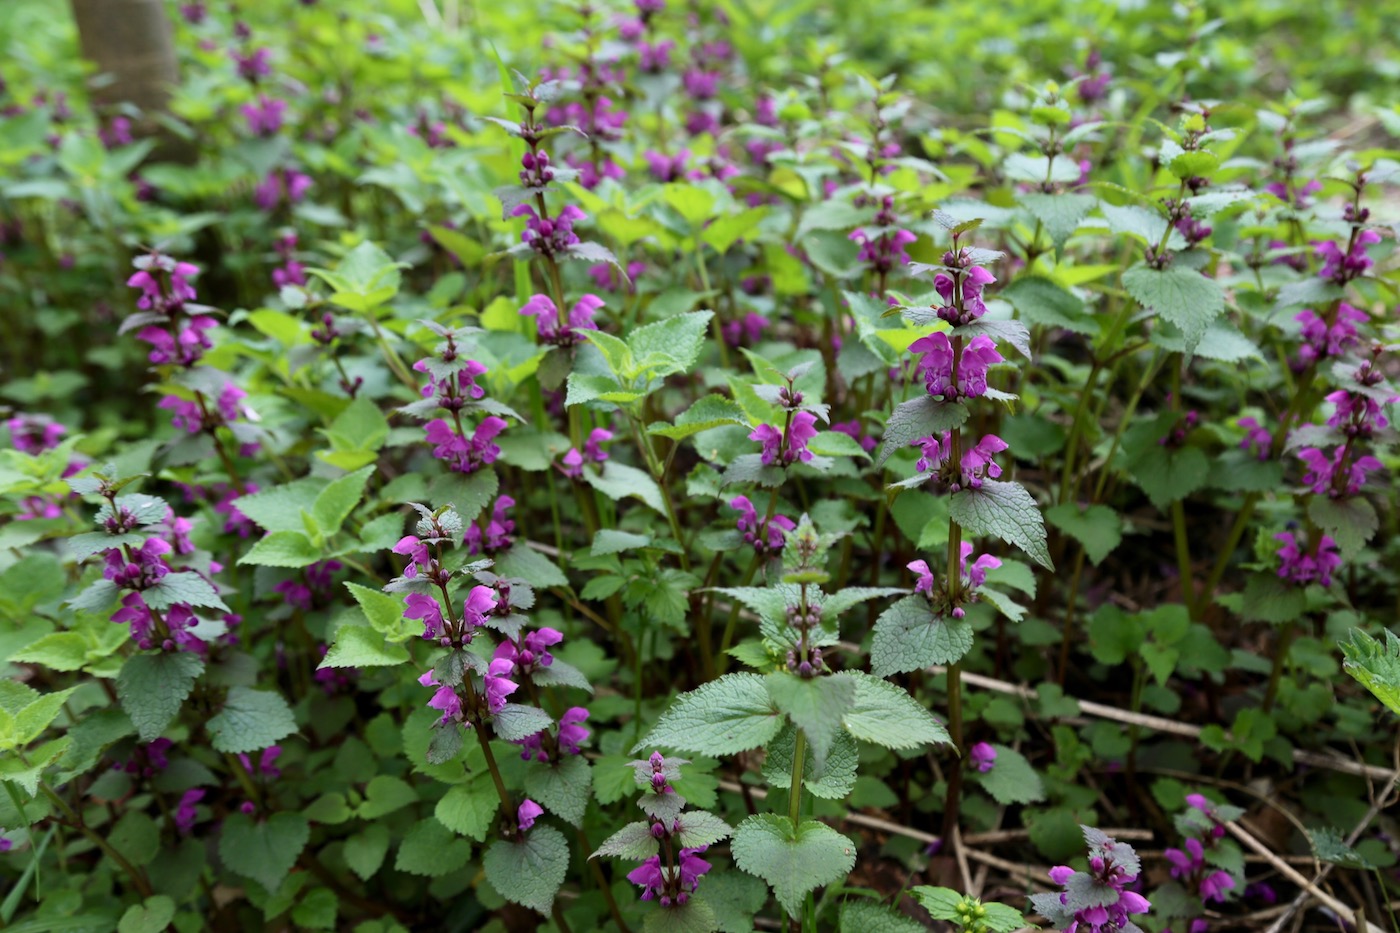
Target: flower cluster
[
  {"x": 789, "y": 445},
  {"x": 264, "y": 115},
  {"x": 883, "y": 249},
  {"x": 177, "y": 335},
  {"x": 33, "y": 435},
  {"x": 573, "y": 462},
  {"x": 1099, "y": 900},
  {"x": 973, "y": 576},
  {"x": 672, "y": 873},
  {"x": 1307, "y": 564},
  {"x": 974, "y": 466},
  {"x": 953, "y": 374},
  {"x": 495, "y": 536},
  {"x": 765, "y": 535},
  {"x": 1203, "y": 824},
  {"x": 452, "y": 387},
  {"x": 553, "y": 328},
  {"x": 291, "y": 272}
]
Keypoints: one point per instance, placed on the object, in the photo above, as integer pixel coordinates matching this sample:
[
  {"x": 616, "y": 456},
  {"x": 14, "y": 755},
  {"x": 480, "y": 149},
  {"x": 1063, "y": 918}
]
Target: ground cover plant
[{"x": 712, "y": 466}]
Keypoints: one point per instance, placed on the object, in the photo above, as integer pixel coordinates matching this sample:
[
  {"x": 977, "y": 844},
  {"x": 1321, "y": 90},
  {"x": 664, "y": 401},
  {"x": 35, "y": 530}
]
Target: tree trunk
[{"x": 132, "y": 44}]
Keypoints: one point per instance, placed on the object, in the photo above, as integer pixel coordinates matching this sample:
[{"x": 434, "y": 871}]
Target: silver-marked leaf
[{"x": 1006, "y": 511}]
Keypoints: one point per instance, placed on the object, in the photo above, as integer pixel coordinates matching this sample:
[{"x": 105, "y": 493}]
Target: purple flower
[
  {"x": 266, "y": 762},
  {"x": 185, "y": 814},
  {"x": 883, "y": 251},
  {"x": 788, "y": 446},
  {"x": 649, "y": 876},
  {"x": 746, "y": 331},
  {"x": 526, "y": 814},
  {"x": 34, "y": 434},
  {"x": 559, "y": 333},
  {"x": 666, "y": 168},
  {"x": 1343, "y": 267},
  {"x": 925, "y": 575},
  {"x": 498, "y": 684},
  {"x": 1303, "y": 568},
  {"x": 530, "y": 653},
  {"x": 425, "y": 607},
  {"x": 1256, "y": 436},
  {"x": 1321, "y": 340},
  {"x": 465, "y": 455},
  {"x": 1339, "y": 475},
  {"x": 936, "y": 365},
  {"x": 974, "y": 280},
  {"x": 765, "y": 536},
  {"x": 145, "y": 568},
  {"x": 1111, "y": 903},
  {"x": 497, "y": 535},
  {"x": 572, "y": 732},
  {"x": 852, "y": 429},
  {"x": 1357, "y": 415},
  {"x": 982, "y": 757},
  {"x": 978, "y": 464},
  {"x": 265, "y": 115},
  {"x": 164, "y": 283},
  {"x": 254, "y": 65},
  {"x": 976, "y": 574},
  {"x": 549, "y": 236},
  {"x": 281, "y": 184}
]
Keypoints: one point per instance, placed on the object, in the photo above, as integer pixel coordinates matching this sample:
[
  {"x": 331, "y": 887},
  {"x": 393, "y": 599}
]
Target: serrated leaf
[
  {"x": 531, "y": 566},
  {"x": 251, "y": 720},
  {"x": 362, "y": 646},
  {"x": 1005, "y": 510},
  {"x": 910, "y": 637},
  {"x": 1375, "y": 665},
  {"x": 530, "y": 871},
  {"x": 670, "y": 346},
  {"x": 151, "y": 916},
  {"x": 563, "y": 789},
  {"x": 279, "y": 508},
  {"x": 469, "y": 808},
  {"x": 832, "y": 781},
  {"x": 152, "y": 688},
  {"x": 338, "y": 500},
  {"x": 920, "y": 417},
  {"x": 430, "y": 850},
  {"x": 793, "y": 860},
  {"x": 1060, "y": 214},
  {"x": 869, "y": 917},
  {"x": 263, "y": 850},
  {"x": 1012, "y": 332},
  {"x": 886, "y": 715},
  {"x": 282, "y": 549},
  {"x": 1097, "y": 527},
  {"x": 1329, "y": 846},
  {"x": 1012, "y": 779},
  {"x": 185, "y": 587},
  {"x": 515, "y": 721},
  {"x": 1351, "y": 521},
  {"x": 815, "y": 705},
  {"x": 1167, "y": 475},
  {"x": 723, "y": 717},
  {"x": 384, "y": 794},
  {"x": 633, "y": 841},
  {"x": 618, "y": 481},
  {"x": 364, "y": 852},
  {"x": 711, "y": 411},
  {"x": 1044, "y": 303},
  {"x": 1180, "y": 295}
]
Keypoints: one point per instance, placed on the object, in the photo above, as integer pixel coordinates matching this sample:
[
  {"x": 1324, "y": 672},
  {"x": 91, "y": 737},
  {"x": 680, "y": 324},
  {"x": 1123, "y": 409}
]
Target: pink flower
[
  {"x": 498, "y": 683},
  {"x": 925, "y": 575},
  {"x": 527, "y": 813},
  {"x": 982, "y": 757}
]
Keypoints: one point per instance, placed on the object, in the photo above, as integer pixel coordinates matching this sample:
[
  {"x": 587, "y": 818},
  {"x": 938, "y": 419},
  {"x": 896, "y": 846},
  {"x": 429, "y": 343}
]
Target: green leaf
[
  {"x": 610, "y": 541},
  {"x": 1351, "y": 521},
  {"x": 618, "y": 481},
  {"x": 1060, "y": 214},
  {"x": 316, "y": 910},
  {"x": 832, "y": 781},
  {"x": 282, "y": 549},
  {"x": 151, "y": 916},
  {"x": 187, "y": 587},
  {"x": 910, "y": 637},
  {"x": 356, "y": 435},
  {"x": 431, "y": 850},
  {"x": 712, "y": 411},
  {"x": 699, "y": 828},
  {"x": 1180, "y": 295},
  {"x": 152, "y": 688},
  {"x": 670, "y": 346},
  {"x": 728, "y": 228},
  {"x": 1097, "y": 527},
  {"x": 362, "y": 646},
  {"x": 251, "y": 720},
  {"x": 1005, "y": 510},
  {"x": 338, "y": 500},
  {"x": 725, "y": 716},
  {"x": 563, "y": 789},
  {"x": 468, "y": 493},
  {"x": 616, "y": 353},
  {"x": 1270, "y": 599},
  {"x": 265, "y": 850},
  {"x": 531, "y": 566},
  {"x": 793, "y": 860},
  {"x": 1167, "y": 475},
  {"x": 884, "y": 714},
  {"x": 1375, "y": 665},
  {"x": 531, "y": 871},
  {"x": 384, "y": 612},
  {"x": 36, "y": 716},
  {"x": 365, "y": 278},
  {"x": 364, "y": 852},
  {"x": 136, "y": 837},
  {"x": 836, "y": 444},
  {"x": 1329, "y": 846},
  {"x": 869, "y": 917},
  {"x": 924, "y": 416},
  {"x": 279, "y": 508},
  {"x": 385, "y": 794},
  {"x": 469, "y": 808},
  {"x": 1044, "y": 303},
  {"x": 1012, "y": 779},
  {"x": 633, "y": 841},
  {"x": 696, "y": 915},
  {"x": 515, "y": 721},
  {"x": 815, "y": 705}
]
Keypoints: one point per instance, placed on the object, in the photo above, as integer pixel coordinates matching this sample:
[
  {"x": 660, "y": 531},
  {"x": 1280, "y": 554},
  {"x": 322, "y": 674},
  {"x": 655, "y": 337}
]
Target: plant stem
[
  {"x": 142, "y": 885},
  {"x": 1069, "y": 615},
  {"x": 799, "y": 761},
  {"x": 1183, "y": 558},
  {"x": 1285, "y": 640},
  {"x": 722, "y": 659}
]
